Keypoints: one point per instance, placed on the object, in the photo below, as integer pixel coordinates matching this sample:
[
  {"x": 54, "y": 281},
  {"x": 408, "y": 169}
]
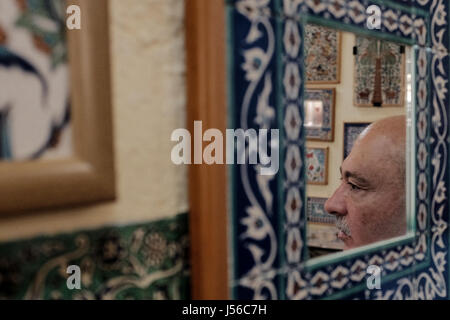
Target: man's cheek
[
  {"x": 359, "y": 223},
  {"x": 353, "y": 224},
  {"x": 358, "y": 201}
]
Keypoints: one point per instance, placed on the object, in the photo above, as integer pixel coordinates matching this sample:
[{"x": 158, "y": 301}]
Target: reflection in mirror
[
  {"x": 357, "y": 95},
  {"x": 313, "y": 113}
]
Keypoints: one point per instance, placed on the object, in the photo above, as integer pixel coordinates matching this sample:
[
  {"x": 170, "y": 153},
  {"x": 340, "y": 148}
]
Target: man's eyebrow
[{"x": 354, "y": 175}]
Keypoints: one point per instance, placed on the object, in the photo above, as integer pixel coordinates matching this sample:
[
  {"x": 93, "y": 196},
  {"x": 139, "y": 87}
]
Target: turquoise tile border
[{"x": 141, "y": 261}]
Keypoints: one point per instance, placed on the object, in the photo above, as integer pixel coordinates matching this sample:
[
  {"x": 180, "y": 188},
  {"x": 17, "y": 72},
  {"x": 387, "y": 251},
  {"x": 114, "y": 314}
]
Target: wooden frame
[
  {"x": 89, "y": 175},
  {"x": 332, "y": 112},
  {"x": 205, "y": 41},
  {"x": 325, "y": 182}
]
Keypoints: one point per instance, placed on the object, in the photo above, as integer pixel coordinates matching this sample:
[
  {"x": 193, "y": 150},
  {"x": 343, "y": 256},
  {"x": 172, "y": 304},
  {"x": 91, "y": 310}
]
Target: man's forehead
[
  {"x": 356, "y": 167},
  {"x": 346, "y": 171},
  {"x": 368, "y": 165},
  {"x": 368, "y": 151}
]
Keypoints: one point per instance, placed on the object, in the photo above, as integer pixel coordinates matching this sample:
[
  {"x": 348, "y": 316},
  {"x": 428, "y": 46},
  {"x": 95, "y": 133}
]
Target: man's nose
[{"x": 336, "y": 203}]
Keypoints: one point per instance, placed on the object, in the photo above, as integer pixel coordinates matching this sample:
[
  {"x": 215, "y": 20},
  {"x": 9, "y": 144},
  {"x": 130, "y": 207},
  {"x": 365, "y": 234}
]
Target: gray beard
[{"x": 341, "y": 224}]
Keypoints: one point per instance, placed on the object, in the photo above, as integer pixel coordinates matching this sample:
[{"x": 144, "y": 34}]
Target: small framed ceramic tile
[
  {"x": 319, "y": 114},
  {"x": 317, "y": 165},
  {"x": 321, "y": 225},
  {"x": 315, "y": 211},
  {"x": 379, "y": 73},
  {"x": 322, "y": 55},
  {"x": 351, "y": 133}
]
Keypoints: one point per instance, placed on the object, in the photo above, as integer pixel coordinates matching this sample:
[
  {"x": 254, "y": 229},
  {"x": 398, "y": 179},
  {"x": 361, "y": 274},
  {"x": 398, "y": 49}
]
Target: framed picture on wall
[
  {"x": 319, "y": 114},
  {"x": 55, "y": 106},
  {"x": 321, "y": 225},
  {"x": 322, "y": 55},
  {"x": 317, "y": 165},
  {"x": 34, "y": 71},
  {"x": 379, "y": 73},
  {"x": 315, "y": 211},
  {"x": 351, "y": 133}
]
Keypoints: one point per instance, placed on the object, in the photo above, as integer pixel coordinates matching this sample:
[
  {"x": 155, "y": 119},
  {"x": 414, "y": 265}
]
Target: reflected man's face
[{"x": 370, "y": 201}]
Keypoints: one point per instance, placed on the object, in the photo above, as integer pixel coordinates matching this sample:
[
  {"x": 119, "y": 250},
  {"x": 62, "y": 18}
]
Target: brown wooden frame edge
[{"x": 206, "y": 79}]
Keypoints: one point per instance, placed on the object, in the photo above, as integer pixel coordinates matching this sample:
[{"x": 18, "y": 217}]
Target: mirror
[{"x": 357, "y": 106}]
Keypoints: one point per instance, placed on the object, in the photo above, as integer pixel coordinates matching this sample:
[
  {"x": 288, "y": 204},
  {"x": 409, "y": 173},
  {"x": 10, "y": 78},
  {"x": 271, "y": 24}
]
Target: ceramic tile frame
[{"x": 271, "y": 262}]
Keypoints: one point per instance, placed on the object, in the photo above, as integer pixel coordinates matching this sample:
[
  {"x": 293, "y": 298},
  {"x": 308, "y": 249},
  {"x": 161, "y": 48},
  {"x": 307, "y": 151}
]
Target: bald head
[
  {"x": 387, "y": 137},
  {"x": 394, "y": 128}
]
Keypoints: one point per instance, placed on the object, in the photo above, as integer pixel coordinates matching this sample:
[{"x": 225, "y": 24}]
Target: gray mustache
[{"x": 341, "y": 224}]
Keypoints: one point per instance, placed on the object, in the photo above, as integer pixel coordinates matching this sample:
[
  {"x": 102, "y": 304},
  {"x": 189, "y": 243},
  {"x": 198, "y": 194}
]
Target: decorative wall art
[
  {"x": 34, "y": 76},
  {"x": 55, "y": 106},
  {"x": 322, "y": 236},
  {"x": 322, "y": 55},
  {"x": 351, "y": 133},
  {"x": 321, "y": 226},
  {"x": 315, "y": 211},
  {"x": 379, "y": 73},
  {"x": 317, "y": 165},
  {"x": 319, "y": 114}
]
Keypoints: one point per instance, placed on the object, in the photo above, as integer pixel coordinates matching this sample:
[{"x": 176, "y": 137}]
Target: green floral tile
[{"x": 145, "y": 261}]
